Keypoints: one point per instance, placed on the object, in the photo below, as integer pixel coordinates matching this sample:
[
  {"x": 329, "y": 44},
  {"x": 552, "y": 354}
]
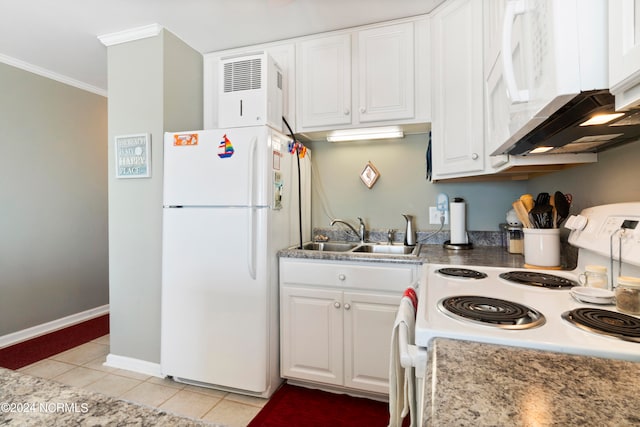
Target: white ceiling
[{"x": 60, "y": 36}]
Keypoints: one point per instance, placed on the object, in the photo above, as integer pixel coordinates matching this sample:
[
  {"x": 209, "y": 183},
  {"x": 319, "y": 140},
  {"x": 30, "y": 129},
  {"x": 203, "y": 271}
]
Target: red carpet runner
[
  {"x": 28, "y": 352},
  {"x": 293, "y": 406}
]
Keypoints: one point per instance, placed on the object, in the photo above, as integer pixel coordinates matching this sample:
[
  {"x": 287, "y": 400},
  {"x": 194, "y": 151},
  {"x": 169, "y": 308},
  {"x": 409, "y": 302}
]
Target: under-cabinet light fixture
[
  {"x": 385, "y": 132},
  {"x": 601, "y": 119},
  {"x": 541, "y": 149}
]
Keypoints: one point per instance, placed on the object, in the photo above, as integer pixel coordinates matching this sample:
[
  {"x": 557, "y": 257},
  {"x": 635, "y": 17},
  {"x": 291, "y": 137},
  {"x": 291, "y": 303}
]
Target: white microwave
[{"x": 553, "y": 67}]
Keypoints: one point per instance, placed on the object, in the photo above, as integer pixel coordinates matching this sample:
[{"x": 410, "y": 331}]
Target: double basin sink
[{"x": 370, "y": 248}]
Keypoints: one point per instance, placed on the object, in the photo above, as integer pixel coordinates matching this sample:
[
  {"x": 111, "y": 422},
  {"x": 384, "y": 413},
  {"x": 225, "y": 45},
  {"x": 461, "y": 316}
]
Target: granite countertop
[
  {"x": 469, "y": 383},
  {"x": 487, "y": 250},
  {"x": 491, "y": 256},
  {"x": 30, "y": 401}
]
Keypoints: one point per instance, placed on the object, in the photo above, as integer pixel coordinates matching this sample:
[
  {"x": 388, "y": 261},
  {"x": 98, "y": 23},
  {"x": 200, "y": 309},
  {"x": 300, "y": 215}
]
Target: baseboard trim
[
  {"x": 55, "y": 325},
  {"x": 135, "y": 365}
]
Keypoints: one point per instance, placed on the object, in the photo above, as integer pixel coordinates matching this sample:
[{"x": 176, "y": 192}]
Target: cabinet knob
[
  {"x": 474, "y": 156},
  {"x": 346, "y": 112},
  {"x": 347, "y": 306},
  {"x": 342, "y": 277},
  {"x": 363, "y": 110},
  {"x": 336, "y": 304}
]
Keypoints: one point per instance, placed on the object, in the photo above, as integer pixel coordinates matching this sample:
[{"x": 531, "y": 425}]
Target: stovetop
[{"x": 554, "y": 333}]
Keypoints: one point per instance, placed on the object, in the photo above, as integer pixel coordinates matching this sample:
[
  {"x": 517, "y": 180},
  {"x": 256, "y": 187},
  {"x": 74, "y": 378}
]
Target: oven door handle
[{"x": 411, "y": 355}]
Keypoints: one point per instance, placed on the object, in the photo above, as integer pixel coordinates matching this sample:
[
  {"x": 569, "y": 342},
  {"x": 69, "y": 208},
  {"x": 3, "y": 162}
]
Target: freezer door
[
  {"x": 215, "y": 305},
  {"x": 219, "y": 167}
]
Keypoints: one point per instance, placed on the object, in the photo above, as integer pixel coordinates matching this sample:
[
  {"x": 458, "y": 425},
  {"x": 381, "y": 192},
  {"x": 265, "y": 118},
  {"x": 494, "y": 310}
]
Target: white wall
[{"x": 53, "y": 200}]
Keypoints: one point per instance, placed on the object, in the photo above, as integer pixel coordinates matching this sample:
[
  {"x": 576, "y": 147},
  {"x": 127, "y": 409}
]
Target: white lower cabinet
[{"x": 336, "y": 320}]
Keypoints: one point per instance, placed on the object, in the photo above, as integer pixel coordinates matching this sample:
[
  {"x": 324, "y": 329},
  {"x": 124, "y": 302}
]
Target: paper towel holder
[{"x": 458, "y": 246}]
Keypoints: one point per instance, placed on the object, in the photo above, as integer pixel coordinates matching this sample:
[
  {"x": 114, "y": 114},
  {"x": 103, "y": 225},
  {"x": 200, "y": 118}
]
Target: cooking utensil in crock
[
  {"x": 522, "y": 214},
  {"x": 562, "y": 207},
  {"x": 554, "y": 212},
  {"x": 527, "y": 200},
  {"x": 541, "y": 215}
]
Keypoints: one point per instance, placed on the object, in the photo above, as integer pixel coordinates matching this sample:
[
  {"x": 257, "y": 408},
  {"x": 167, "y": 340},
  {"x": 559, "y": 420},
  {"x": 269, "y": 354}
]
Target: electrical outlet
[{"x": 434, "y": 216}]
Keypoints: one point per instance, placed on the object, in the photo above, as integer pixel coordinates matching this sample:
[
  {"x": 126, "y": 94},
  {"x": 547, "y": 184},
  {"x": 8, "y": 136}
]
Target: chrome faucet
[{"x": 361, "y": 229}]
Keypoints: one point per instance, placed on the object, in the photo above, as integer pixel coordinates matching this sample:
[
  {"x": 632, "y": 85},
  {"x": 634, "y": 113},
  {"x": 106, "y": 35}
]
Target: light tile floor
[{"x": 82, "y": 367}]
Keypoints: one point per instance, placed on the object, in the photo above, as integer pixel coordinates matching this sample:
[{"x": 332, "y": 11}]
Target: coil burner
[
  {"x": 462, "y": 273},
  {"x": 491, "y": 312},
  {"x": 543, "y": 280},
  {"x": 605, "y": 322}
]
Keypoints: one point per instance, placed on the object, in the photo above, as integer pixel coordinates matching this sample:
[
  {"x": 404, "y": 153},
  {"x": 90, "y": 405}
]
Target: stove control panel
[{"x": 609, "y": 230}]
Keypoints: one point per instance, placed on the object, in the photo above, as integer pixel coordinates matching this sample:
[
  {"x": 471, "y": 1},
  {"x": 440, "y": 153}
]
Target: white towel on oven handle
[{"x": 402, "y": 393}]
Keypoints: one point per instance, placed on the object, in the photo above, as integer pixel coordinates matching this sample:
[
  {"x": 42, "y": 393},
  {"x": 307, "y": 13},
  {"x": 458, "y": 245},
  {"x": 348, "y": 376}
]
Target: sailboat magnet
[{"x": 225, "y": 149}]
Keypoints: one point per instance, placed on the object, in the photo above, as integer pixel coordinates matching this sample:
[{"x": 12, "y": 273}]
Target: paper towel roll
[{"x": 457, "y": 211}]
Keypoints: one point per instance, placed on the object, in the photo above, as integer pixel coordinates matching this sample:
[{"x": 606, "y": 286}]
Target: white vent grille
[{"x": 242, "y": 75}]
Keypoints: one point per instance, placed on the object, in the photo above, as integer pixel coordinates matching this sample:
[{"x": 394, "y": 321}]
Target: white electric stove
[{"x": 536, "y": 315}]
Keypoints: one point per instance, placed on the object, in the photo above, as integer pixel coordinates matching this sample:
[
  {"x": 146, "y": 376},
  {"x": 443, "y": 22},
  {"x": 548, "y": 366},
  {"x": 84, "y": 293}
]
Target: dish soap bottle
[{"x": 410, "y": 232}]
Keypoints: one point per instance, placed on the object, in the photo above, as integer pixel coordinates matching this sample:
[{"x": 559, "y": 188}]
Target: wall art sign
[{"x": 133, "y": 156}]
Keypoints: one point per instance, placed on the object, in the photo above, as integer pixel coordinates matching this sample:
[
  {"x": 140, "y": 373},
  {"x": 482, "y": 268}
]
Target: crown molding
[
  {"x": 51, "y": 75},
  {"x": 130, "y": 35}
]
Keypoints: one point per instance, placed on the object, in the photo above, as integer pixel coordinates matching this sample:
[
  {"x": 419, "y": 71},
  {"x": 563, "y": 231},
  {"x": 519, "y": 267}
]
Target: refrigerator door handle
[
  {"x": 251, "y": 246},
  {"x": 252, "y": 171}
]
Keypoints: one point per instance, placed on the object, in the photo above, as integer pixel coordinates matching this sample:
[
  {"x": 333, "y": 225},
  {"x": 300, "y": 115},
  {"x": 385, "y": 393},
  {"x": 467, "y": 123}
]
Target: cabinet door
[
  {"x": 311, "y": 334},
  {"x": 497, "y": 102},
  {"x": 386, "y": 73},
  {"x": 324, "y": 81},
  {"x": 457, "y": 129},
  {"x": 368, "y": 322},
  {"x": 624, "y": 52}
]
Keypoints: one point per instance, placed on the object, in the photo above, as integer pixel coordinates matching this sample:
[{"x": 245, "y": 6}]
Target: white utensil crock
[{"x": 542, "y": 247}]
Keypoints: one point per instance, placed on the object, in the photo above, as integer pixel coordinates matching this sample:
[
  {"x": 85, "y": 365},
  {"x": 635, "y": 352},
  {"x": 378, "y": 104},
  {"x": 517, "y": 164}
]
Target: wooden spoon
[
  {"x": 522, "y": 213},
  {"x": 527, "y": 200}
]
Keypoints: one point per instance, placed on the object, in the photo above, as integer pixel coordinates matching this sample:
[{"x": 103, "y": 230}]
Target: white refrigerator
[{"x": 230, "y": 203}]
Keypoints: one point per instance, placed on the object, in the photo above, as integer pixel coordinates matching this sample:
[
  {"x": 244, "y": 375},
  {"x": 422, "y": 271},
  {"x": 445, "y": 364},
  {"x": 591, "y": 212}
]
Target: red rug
[
  {"x": 28, "y": 352},
  {"x": 293, "y": 406}
]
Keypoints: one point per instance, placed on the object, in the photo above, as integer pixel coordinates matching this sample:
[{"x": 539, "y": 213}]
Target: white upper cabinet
[
  {"x": 386, "y": 73},
  {"x": 324, "y": 79},
  {"x": 497, "y": 113},
  {"x": 624, "y": 52},
  {"x": 364, "y": 77},
  {"x": 457, "y": 128}
]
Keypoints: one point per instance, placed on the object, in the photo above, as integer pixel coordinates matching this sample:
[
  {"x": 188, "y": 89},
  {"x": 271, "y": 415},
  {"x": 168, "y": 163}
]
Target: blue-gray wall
[
  {"x": 53, "y": 200},
  {"x": 338, "y": 191},
  {"x": 155, "y": 85}
]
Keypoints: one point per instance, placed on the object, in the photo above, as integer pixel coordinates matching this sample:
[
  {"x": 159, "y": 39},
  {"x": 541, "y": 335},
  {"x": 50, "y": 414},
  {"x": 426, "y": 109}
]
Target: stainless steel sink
[
  {"x": 386, "y": 249},
  {"x": 329, "y": 246},
  {"x": 363, "y": 248}
]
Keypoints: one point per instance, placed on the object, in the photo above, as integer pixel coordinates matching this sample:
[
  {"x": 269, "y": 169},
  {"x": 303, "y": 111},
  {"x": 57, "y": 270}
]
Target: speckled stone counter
[
  {"x": 30, "y": 401},
  {"x": 491, "y": 256},
  {"x": 486, "y": 251},
  {"x": 475, "y": 384}
]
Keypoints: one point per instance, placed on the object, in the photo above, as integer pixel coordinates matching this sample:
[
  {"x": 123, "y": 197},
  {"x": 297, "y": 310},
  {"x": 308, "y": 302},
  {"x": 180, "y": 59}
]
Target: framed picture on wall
[
  {"x": 133, "y": 156},
  {"x": 369, "y": 175}
]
